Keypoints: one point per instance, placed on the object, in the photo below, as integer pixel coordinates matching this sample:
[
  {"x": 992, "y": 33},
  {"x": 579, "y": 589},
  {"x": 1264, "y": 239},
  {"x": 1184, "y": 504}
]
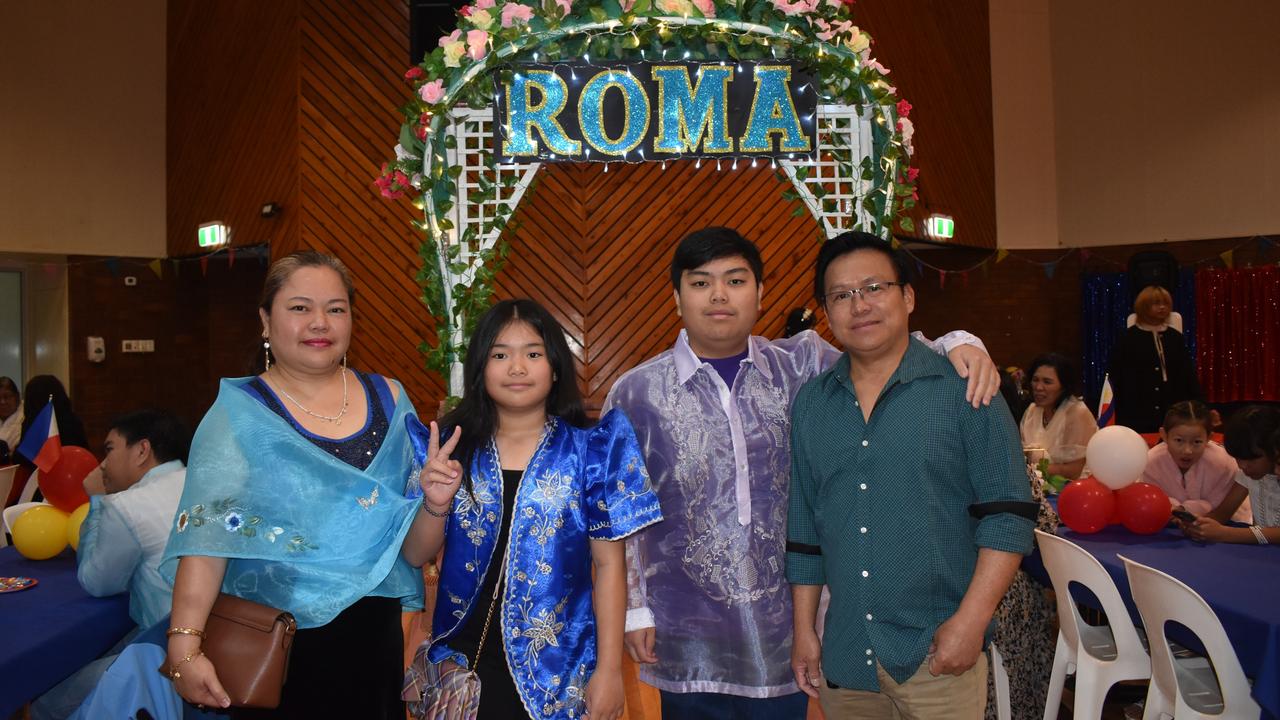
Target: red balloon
[
  {"x": 63, "y": 485},
  {"x": 1143, "y": 508},
  {"x": 1086, "y": 505}
]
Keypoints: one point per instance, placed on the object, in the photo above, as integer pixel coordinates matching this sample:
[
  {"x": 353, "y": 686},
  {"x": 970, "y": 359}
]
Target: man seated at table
[{"x": 133, "y": 498}]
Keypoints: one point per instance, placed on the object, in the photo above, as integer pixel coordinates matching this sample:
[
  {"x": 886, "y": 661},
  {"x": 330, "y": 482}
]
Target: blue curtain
[{"x": 1106, "y": 300}]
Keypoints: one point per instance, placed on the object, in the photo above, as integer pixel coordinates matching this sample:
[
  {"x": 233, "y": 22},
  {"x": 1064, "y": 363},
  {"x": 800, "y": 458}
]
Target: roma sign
[{"x": 634, "y": 112}]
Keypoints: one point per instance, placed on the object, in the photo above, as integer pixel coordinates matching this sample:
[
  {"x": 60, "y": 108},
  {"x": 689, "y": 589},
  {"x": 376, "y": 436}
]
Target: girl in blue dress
[{"x": 524, "y": 492}]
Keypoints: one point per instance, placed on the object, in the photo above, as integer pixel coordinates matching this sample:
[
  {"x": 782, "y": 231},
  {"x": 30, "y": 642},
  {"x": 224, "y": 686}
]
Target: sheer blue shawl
[{"x": 303, "y": 531}]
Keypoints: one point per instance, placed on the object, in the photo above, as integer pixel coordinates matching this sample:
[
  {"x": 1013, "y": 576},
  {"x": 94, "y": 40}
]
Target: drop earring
[
  {"x": 266, "y": 352},
  {"x": 344, "y": 362}
]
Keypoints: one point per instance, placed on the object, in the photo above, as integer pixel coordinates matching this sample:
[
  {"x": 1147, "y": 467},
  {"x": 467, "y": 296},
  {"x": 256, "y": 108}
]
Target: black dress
[
  {"x": 1149, "y": 372},
  {"x": 352, "y": 667},
  {"x": 499, "y": 699}
]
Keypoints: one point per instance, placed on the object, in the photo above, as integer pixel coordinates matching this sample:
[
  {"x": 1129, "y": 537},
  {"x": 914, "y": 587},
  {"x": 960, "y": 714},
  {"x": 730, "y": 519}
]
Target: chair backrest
[
  {"x": 12, "y": 512},
  {"x": 1162, "y": 598},
  {"x": 1068, "y": 563},
  {"x": 29, "y": 491}
]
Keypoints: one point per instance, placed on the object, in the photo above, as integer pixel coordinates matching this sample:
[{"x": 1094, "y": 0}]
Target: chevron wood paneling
[{"x": 595, "y": 248}]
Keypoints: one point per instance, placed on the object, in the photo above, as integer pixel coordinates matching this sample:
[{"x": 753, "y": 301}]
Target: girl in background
[
  {"x": 1195, "y": 473},
  {"x": 1252, "y": 437}
]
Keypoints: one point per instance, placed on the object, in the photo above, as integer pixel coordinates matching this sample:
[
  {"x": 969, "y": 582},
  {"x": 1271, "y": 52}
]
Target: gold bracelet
[
  {"x": 173, "y": 673},
  {"x": 184, "y": 631}
]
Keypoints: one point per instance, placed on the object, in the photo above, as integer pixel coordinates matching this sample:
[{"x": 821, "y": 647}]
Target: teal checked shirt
[{"x": 890, "y": 513}]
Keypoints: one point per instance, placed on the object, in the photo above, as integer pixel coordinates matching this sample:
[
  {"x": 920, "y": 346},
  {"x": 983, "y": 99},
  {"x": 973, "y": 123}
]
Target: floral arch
[{"x": 857, "y": 176}]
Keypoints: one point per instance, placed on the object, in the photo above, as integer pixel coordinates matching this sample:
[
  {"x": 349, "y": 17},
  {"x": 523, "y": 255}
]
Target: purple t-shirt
[{"x": 727, "y": 367}]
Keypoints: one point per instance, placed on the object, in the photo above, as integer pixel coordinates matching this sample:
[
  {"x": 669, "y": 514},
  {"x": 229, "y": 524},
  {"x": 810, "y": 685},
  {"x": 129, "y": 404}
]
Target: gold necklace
[{"x": 335, "y": 419}]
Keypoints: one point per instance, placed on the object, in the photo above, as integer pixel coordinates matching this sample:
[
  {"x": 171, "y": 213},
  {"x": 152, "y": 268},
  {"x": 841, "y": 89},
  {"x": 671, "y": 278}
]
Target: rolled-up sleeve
[
  {"x": 108, "y": 553},
  {"x": 998, "y": 475},
  {"x": 804, "y": 555}
]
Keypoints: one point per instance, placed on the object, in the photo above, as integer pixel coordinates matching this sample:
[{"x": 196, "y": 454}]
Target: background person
[
  {"x": 1057, "y": 420},
  {"x": 10, "y": 418},
  {"x": 133, "y": 497},
  {"x": 1252, "y": 437},
  {"x": 1150, "y": 368},
  {"x": 295, "y": 500},
  {"x": 1194, "y": 472}
]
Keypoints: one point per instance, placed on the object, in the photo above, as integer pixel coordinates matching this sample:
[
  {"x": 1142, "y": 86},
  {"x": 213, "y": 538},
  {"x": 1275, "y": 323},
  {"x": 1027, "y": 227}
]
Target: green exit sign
[
  {"x": 940, "y": 227},
  {"x": 213, "y": 234}
]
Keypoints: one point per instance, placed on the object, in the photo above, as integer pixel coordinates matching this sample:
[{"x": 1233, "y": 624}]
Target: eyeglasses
[{"x": 871, "y": 292}]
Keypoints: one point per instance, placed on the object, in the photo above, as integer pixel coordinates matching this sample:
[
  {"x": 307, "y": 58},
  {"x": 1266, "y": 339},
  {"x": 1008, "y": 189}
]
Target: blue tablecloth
[
  {"x": 53, "y": 629},
  {"x": 1240, "y": 582}
]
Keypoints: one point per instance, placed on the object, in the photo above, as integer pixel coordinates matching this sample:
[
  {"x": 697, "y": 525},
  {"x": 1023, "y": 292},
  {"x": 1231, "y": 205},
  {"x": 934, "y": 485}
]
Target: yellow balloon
[
  {"x": 41, "y": 532},
  {"x": 73, "y": 525}
]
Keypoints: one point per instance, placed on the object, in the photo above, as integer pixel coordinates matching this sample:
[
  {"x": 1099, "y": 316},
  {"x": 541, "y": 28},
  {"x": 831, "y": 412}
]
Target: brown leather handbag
[{"x": 248, "y": 644}]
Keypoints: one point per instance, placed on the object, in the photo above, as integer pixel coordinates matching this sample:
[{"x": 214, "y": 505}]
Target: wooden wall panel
[
  {"x": 232, "y": 120},
  {"x": 595, "y": 248},
  {"x": 350, "y": 86},
  {"x": 939, "y": 57},
  {"x": 204, "y": 325}
]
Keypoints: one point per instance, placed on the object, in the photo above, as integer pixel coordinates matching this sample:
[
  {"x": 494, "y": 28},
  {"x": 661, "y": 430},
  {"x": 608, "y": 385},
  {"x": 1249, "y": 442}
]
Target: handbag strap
[{"x": 497, "y": 590}]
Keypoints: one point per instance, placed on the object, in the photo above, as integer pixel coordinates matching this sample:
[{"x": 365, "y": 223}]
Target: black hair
[
  {"x": 1252, "y": 432},
  {"x": 852, "y": 241},
  {"x": 168, "y": 436},
  {"x": 1012, "y": 395},
  {"x": 42, "y": 389},
  {"x": 7, "y": 382},
  {"x": 476, "y": 413},
  {"x": 712, "y": 243},
  {"x": 1068, "y": 374},
  {"x": 798, "y": 321},
  {"x": 1188, "y": 412}
]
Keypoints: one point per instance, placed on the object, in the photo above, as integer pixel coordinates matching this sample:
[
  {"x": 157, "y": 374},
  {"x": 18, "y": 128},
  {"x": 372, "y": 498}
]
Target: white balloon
[{"x": 1116, "y": 456}]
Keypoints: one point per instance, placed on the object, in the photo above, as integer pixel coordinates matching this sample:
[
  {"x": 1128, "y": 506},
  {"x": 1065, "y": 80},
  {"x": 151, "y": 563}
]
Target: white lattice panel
[
  {"x": 472, "y": 129},
  {"x": 843, "y": 135}
]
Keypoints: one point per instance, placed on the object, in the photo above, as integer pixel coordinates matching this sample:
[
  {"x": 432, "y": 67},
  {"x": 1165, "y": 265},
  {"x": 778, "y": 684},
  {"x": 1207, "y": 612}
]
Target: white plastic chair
[
  {"x": 12, "y": 513},
  {"x": 33, "y": 483},
  {"x": 1001, "y": 681},
  {"x": 1184, "y": 687},
  {"x": 1099, "y": 656}
]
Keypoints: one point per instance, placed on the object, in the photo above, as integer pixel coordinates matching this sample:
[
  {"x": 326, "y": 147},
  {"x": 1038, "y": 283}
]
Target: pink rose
[
  {"x": 485, "y": 4},
  {"x": 513, "y": 13},
  {"x": 908, "y": 131},
  {"x": 565, "y": 5},
  {"x": 465, "y": 11},
  {"x": 912, "y": 174},
  {"x": 432, "y": 92},
  {"x": 904, "y": 108},
  {"x": 386, "y": 184},
  {"x": 706, "y": 7},
  {"x": 452, "y": 37},
  {"x": 477, "y": 41},
  {"x": 627, "y": 5},
  {"x": 414, "y": 73},
  {"x": 795, "y": 7},
  {"x": 875, "y": 65}
]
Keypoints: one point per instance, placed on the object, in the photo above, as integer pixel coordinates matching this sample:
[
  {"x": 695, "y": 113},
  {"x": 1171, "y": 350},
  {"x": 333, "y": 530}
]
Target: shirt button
[
  {"x": 864, "y": 530},
  {"x": 868, "y": 616},
  {"x": 862, "y": 486},
  {"x": 865, "y": 443},
  {"x": 868, "y": 662},
  {"x": 866, "y": 574},
  {"x": 868, "y": 651}
]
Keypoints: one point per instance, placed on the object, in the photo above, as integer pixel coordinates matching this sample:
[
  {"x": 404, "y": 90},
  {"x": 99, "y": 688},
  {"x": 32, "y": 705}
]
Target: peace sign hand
[{"x": 442, "y": 475}]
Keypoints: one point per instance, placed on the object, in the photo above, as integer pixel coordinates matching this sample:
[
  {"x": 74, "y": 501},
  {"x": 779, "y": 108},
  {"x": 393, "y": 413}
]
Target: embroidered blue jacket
[{"x": 581, "y": 484}]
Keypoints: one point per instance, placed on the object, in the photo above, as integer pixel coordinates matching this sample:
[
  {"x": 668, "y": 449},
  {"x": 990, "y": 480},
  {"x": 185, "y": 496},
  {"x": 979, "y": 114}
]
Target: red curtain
[{"x": 1238, "y": 334}]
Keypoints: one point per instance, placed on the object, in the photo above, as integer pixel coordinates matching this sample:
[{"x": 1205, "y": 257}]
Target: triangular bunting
[
  {"x": 156, "y": 267},
  {"x": 1229, "y": 258},
  {"x": 964, "y": 278},
  {"x": 204, "y": 265},
  {"x": 1085, "y": 254},
  {"x": 1050, "y": 269},
  {"x": 231, "y": 257},
  {"x": 942, "y": 279}
]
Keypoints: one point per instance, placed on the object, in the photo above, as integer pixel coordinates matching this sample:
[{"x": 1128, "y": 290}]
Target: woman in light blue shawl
[{"x": 295, "y": 499}]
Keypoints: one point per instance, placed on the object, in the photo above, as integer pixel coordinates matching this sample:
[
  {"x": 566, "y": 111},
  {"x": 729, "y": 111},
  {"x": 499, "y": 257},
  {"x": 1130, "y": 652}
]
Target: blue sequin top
[{"x": 357, "y": 449}]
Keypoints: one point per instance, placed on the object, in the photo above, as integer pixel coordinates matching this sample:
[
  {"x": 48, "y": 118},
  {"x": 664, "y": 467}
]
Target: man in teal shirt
[{"x": 910, "y": 504}]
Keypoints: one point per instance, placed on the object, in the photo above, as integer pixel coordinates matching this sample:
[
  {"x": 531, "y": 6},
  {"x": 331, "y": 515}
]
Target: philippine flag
[
  {"x": 41, "y": 444},
  {"x": 1106, "y": 413}
]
